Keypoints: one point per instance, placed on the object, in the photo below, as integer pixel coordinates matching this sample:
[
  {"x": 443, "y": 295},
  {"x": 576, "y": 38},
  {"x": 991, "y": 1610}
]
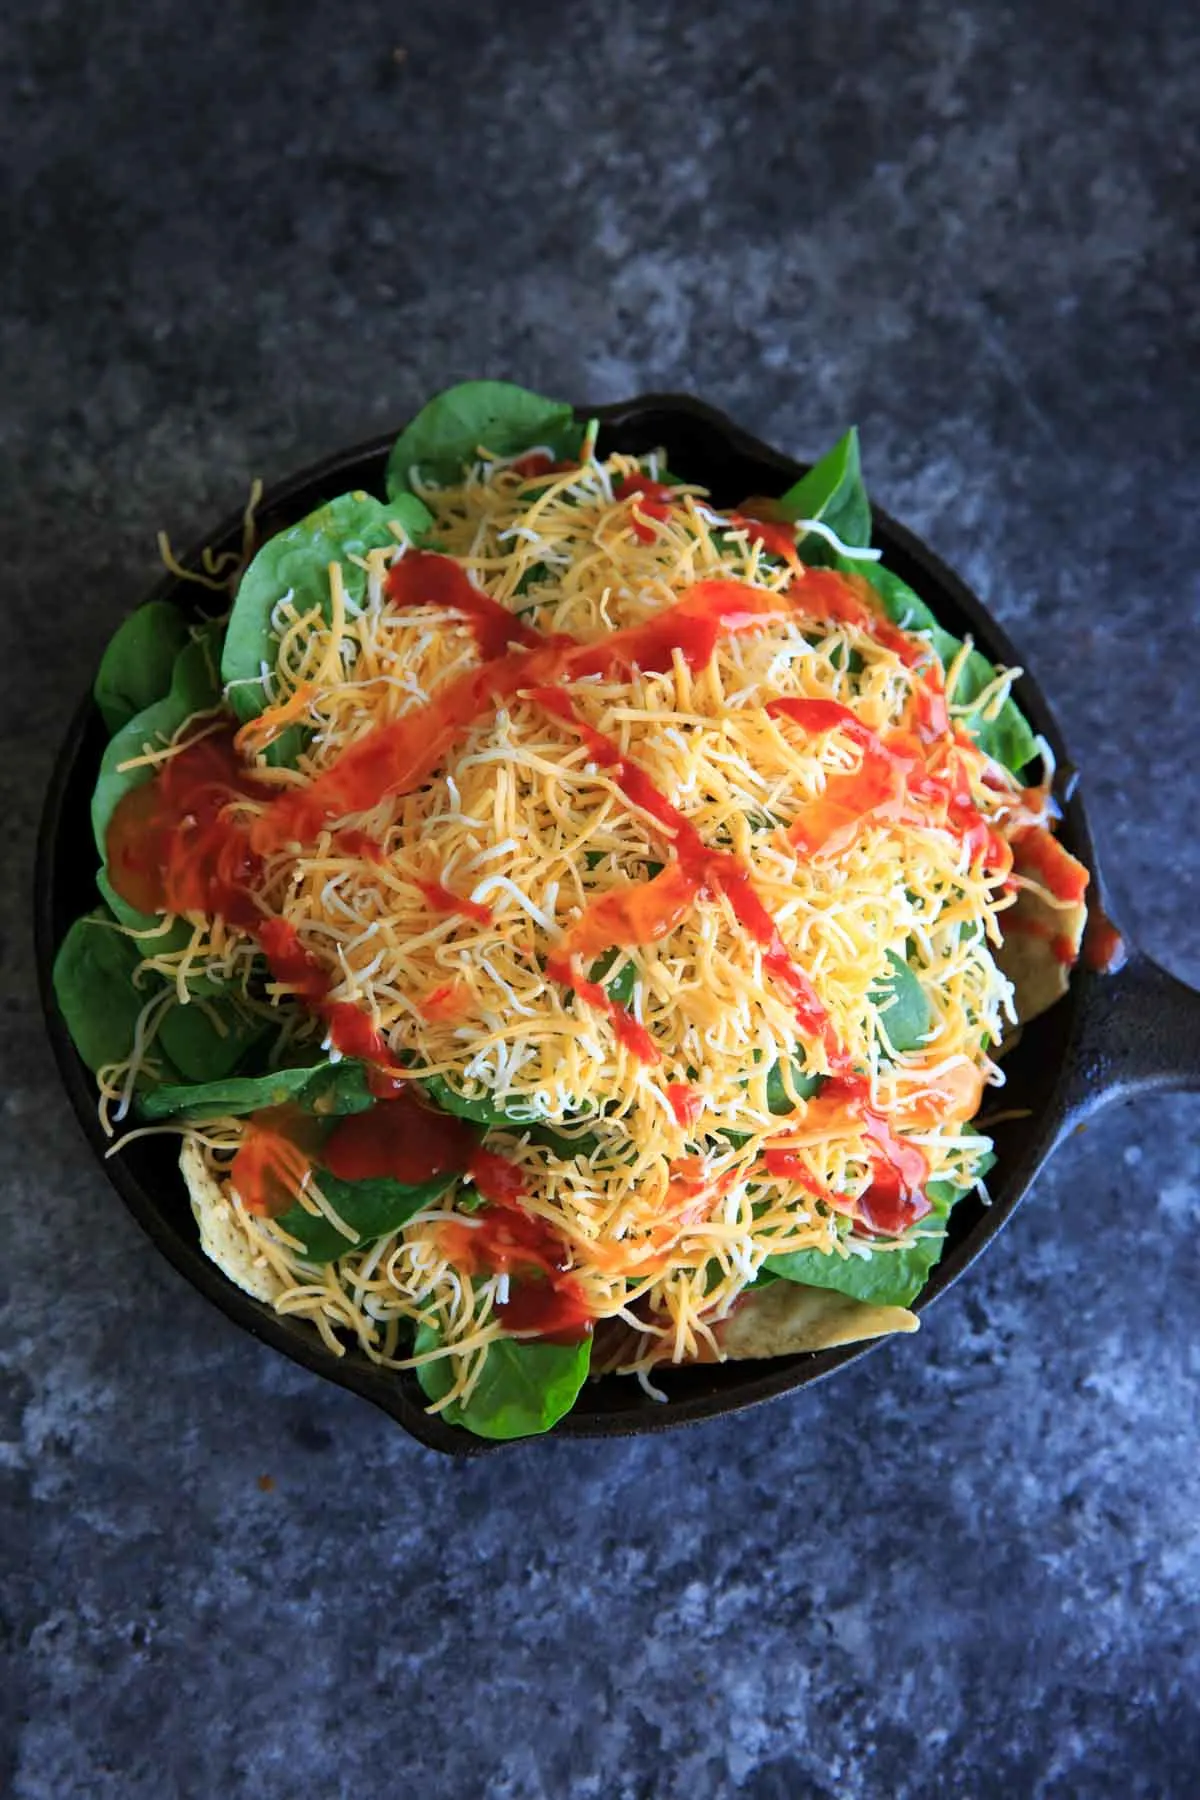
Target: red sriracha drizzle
[
  {"x": 685, "y": 1102},
  {"x": 441, "y": 899},
  {"x": 652, "y": 500},
  {"x": 171, "y": 846},
  {"x": 652, "y": 908},
  {"x": 896, "y": 1198},
  {"x": 778, "y": 540},
  {"x": 1043, "y": 858},
  {"x": 874, "y": 791},
  {"x": 538, "y": 462},
  {"x": 839, "y": 599},
  {"x": 543, "y": 1300},
  {"x": 422, "y": 578}
]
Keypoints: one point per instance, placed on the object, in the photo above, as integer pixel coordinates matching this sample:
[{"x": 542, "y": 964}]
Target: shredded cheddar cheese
[{"x": 665, "y": 1220}]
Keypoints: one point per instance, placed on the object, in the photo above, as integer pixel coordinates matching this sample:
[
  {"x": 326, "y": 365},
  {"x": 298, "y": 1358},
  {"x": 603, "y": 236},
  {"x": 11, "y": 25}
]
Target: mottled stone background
[{"x": 235, "y": 237}]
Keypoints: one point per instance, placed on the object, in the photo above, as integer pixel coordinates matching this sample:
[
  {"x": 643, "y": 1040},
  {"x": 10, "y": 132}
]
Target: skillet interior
[{"x": 703, "y": 446}]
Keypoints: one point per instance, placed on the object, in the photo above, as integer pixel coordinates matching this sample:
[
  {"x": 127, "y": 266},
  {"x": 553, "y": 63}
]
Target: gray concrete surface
[{"x": 236, "y": 237}]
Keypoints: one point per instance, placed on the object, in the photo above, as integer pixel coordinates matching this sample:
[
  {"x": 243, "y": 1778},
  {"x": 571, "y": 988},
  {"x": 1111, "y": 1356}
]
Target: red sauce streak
[
  {"x": 402, "y": 756},
  {"x": 402, "y": 1139},
  {"x": 396, "y": 758},
  {"x": 652, "y": 500},
  {"x": 888, "y": 1207},
  {"x": 896, "y": 1198},
  {"x": 875, "y": 790},
  {"x": 1043, "y": 858},
  {"x": 350, "y": 841},
  {"x": 776, "y": 538},
  {"x": 692, "y": 1192},
  {"x": 538, "y": 462},
  {"x": 930, "y": 713},
  {"x": 171, "y": 846},
  {"x": 292, "y": 965},
  {"x": 639, "y": 913},
  {"x": 497, "y": 1179},
  {"x": 849, "y": 600},
  {"x": 708, "y": 611},
  {"x": 423, "y": 578},
  {"x": 1104, "y": 949},
  {"x": 543, "y": 1299},
  {"x": 274, "y": 1159},
  {"x": 700, "y": 871},
  {"x": 789, "y": 1165},
  {"x": 685, "y": 1102},
  {"x": 175, "y": 845},
  {"x": 448, "y": 1001},
  {"x": 442, "y": 900},
  {"x": 634, "y": 1037}
]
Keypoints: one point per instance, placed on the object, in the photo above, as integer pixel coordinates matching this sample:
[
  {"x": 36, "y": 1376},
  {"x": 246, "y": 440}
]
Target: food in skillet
[{"x": 571, "y": 927}]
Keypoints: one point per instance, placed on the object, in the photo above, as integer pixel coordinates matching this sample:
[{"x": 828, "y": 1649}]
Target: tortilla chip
[
  {"x": 785, "y": 1317},
  {"x": 222, "y": 1236},
  {"x": 1040, "y": 948}
]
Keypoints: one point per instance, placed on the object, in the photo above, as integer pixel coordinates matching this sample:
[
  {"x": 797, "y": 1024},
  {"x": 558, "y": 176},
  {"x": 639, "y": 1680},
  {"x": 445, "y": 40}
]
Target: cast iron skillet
[{"x": 1115, "y": 1033}]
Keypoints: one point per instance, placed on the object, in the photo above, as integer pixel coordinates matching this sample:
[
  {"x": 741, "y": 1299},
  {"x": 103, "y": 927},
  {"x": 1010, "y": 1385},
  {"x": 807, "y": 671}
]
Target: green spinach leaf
[
  {"x": 481, "y": 1108},
  {"x": 296, "y": 562},
  {"x": 1009, "y": 736},
  {"x": 93, "y": 984},
  {"x": 901, "y": 1000},
  {"x": 778, "y": 1099},
  {"x": 324, "y": 1088},
  {"x": 621, "y": 988},
  {"x": 525, "y": 1386},
  {"x": 447, "y": 434},
  {"x": 833, "y": 493},
  {"x": 137, "y": 666},
  {"x": 564, "y": 1147},
  {"x": 207, "y": 1042},
  {"x": 194, "y": 688},
  {"x": 371, "y": 1208},
  {"x": 887, "y": 1277}
]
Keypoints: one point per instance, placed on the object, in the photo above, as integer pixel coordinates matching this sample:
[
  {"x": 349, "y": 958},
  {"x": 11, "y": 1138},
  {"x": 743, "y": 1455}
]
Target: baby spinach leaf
[
  {"x": 565, "y": 1148},
  {"x": 1008, "y": 737},
  {"x": 324, "y": 1088},
  {"x": 447, "y": 434},
  {"x": 296, "y": 562},
  {"x": 208, "y": 1042},
  {"x": 372, "y": 1208},
  {"x": 833, "y": 493},
  {"x": 93, "y": 984},
  {"x": 97, "y": 996},
  {"x": 778, "y": 1099},
  {"x": 534, "y": 576},
  {"x": 194, "y": 688},
  {"x": 525, "y": 1386},
  {"x": 482, "y": 1108},
  {"x": 900, "y": 998},
  {"x": 136, "y": 668},
  {"x": 163, "y": 943},
  {"x": 887, "y": 1277},
  {"x": 621, "y": 988}
]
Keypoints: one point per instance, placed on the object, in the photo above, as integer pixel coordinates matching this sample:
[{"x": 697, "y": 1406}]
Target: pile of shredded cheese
[{"x": 520, "y": 822}]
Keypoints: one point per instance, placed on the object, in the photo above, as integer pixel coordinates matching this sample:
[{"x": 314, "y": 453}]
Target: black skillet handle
[{"x": 1139, "y": 1033}]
